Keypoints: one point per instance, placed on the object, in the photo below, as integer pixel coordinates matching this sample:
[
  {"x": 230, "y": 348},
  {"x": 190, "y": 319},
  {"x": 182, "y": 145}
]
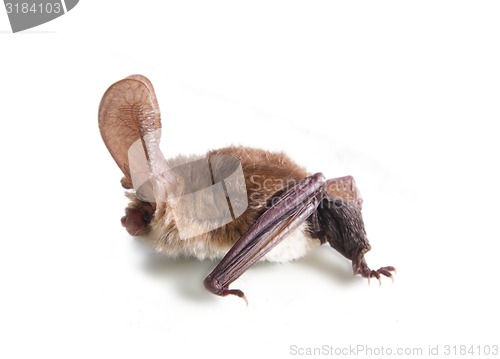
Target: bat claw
[
  {"x": 388, "y": 269},
  {"x": 376, "y": 275},
  {"x": 215, "y": 287},
  {"x": 385, "y": 271},
  {"x": 235, "y": 292}
]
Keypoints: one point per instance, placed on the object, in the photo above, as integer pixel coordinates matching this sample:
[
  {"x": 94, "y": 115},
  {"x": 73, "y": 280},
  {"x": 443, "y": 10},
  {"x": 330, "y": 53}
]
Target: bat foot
[{"x": 367, "y": 273}]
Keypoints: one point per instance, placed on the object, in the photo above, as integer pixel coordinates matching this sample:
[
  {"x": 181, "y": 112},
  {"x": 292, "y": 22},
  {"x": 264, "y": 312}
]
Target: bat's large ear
[{"x": 130, "y": 125}]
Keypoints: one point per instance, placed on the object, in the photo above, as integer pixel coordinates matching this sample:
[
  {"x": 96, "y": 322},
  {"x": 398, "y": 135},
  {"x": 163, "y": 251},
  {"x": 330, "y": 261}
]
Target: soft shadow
[
  {"x": 330, "y": 264},
  {"x": 187, "y": 274}
]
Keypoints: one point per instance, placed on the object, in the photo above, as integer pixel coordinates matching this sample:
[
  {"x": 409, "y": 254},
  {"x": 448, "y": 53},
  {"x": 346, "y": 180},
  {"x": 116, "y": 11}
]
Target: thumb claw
[{"x": 235, "y": 292}]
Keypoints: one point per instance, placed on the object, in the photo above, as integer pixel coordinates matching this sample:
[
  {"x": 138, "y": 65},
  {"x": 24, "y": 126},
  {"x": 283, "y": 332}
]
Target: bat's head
[
  {"x": 138, "y": 216},
  {"x": 188, "y": 191}
]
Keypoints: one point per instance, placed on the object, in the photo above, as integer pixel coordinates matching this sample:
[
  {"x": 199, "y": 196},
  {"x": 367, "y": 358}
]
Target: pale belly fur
[{"x": 294, "y": 246}]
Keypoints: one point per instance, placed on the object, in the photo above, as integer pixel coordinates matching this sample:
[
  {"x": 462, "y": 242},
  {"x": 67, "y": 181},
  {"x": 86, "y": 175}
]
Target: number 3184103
[
  {"x": 461, "y": 350},
  {"x": 40, "y": 8}
]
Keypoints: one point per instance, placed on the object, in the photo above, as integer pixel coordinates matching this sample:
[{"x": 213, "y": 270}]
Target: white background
[{"x": 404, "y": 96}]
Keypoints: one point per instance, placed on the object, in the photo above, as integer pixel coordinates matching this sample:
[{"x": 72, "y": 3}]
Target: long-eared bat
[{"x": 237, "y": 204}]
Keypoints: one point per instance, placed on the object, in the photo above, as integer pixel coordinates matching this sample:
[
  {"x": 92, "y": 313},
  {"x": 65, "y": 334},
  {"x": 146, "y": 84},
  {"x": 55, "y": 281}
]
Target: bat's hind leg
[{"x": 339, "y": 222}]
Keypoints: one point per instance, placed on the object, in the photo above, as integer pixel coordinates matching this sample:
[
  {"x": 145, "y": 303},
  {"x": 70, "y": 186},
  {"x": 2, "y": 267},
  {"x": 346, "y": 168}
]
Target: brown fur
[{"x": 265, "y": 174}]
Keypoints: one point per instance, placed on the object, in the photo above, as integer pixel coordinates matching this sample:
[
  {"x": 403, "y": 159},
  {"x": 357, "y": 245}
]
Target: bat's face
[
  {"x": 138, "y": 216},
  {"x": 202, "y": 194}
]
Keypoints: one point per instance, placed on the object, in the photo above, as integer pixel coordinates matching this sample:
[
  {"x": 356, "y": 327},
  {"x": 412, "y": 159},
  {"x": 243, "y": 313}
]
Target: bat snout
[{"x": 136, "y": 221}]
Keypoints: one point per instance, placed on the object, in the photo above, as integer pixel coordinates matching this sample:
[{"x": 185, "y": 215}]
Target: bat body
[
  {"x": 265, "y": 174},
  {"x": 237, "y": 204}
]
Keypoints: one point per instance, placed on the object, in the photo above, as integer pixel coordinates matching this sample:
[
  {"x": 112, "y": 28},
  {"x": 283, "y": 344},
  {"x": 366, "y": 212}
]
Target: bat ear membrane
[{"x": 130, "y": 125}]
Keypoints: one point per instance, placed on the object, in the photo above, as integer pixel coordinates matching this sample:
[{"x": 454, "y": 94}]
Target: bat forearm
[{"x": 291, "y": 210}]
